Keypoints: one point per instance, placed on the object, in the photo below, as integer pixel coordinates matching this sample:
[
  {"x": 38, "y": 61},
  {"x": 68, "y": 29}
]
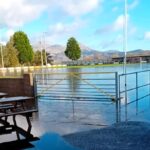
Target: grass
[
  {"x": 11, "y": 77},
  {"x": 89, "y": 66},
  {"x": 34, "y": 68}
]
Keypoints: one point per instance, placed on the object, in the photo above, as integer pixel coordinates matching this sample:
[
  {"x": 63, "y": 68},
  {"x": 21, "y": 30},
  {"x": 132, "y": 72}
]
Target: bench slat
[
  {"x": 6, "y": 107},
  {"x": 22, "y": 112}
]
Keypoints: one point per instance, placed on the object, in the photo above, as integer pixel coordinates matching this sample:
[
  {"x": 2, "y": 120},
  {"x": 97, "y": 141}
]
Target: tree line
[{"x": 18, "y": 51}]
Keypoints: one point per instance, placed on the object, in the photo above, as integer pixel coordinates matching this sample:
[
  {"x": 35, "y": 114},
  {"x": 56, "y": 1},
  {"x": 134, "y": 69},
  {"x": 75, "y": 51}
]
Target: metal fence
[
  {"x": 127, "y": 95},
  {"x": 80, "y": 87},
  {"x": 134, "y": 94}
]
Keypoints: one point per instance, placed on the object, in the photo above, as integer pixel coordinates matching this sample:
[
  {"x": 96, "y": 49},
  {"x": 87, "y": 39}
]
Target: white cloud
[
  {"x": 131, "y": 4},
  {"x": 118, "y": 26},
  {"x": 3, "y": 42},
  {"x": 9, "y": 33},
  {"x": 61, "y": 28},
  {"x": 61, "y": 31},
  {"x": 15, "y": 13},
  {"x": 118, "y": 0},
  {"x": 79, "y": 7},
  {"x": 114, "y": 9},
  {"x": 117, "y": 40},
  {"x": 134, "y": 4},
  {"x": 147, "y": 35}
]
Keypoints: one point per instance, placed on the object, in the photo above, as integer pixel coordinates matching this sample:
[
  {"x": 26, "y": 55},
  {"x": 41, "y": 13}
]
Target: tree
[
  {"x": 48, "y": 57},
  {"x": 73, "y": 50},
  {"x": 1, "y": 54},
  {"x": 37, "y": 58},
  {"x": 22, "y": 44},
  {"x": 10, "y": 55}
]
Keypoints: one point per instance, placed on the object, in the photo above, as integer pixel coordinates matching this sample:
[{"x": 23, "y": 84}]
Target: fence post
[
  {"x": 117, "y": 98},
  {"x": 35, "y": 91},
  {"x": 137, "y": 93}
]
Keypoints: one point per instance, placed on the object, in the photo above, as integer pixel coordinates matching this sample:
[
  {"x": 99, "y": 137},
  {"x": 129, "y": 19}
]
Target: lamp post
[
  {"x": 125, "y": 35},
  {"x": 44, "y": 33},
  {"x": 125, "y": 56},
  {"x": 41, "y": 54}
]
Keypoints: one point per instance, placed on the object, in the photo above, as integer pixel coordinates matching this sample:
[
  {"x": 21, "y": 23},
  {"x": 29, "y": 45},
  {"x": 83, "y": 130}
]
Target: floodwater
[{"x": 69, "y": 116}]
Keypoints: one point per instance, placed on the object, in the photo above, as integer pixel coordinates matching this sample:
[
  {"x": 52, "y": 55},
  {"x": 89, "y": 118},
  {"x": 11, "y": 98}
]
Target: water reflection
[
  {"x": 52, "y": 141},
  {"x": 74, "y": 77}
]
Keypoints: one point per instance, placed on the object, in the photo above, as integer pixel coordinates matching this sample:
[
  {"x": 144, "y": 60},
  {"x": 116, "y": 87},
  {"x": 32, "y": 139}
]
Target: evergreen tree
[
  {"x": 10, "y": 55},
  {"x": 73, "y": 50},
  {"x": 22, "y": 44}
]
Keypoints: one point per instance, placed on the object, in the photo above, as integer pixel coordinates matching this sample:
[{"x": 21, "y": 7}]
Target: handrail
[
  {"x": 134, "y": 72},
  {"x": 134, "y": 88},
  {"x": 65, "y": 73}
]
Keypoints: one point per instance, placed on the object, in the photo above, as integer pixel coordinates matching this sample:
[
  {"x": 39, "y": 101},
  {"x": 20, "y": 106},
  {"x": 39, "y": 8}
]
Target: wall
[{"x": 19, "y": 87}]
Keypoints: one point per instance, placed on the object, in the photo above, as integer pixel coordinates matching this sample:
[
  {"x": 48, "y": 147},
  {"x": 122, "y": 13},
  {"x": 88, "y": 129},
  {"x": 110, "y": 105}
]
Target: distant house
[{"x": 132, "y": 59}]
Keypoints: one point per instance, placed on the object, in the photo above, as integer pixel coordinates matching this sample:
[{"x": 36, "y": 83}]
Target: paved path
[{"x": 124, "y": 136}]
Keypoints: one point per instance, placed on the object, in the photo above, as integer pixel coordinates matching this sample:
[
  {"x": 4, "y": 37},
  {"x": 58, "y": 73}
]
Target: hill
[{"x": 57, "y": 51}]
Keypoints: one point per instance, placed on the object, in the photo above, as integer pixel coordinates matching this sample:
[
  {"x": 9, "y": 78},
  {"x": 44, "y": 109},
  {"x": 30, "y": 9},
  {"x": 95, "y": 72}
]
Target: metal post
[
  {"x": 125, "y": 54},
  {"x": 35, "y": 91},
  {"x": 117, "y": 99},
  {"x": 126, "y": 101},
  {"x": 149, "y": 88},
  {"x": 41, "y": 54},
  {"x": 125, "y": 35},
  {"x": 136, "y": 93},
  {"x": 45, "y": 49}
]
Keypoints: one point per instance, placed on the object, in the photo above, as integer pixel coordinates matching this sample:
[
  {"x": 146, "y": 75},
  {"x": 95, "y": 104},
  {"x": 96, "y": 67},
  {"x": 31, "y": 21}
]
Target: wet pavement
[
  {"x": 85, "y": 123},
  {"x": 123, "y": 136}
]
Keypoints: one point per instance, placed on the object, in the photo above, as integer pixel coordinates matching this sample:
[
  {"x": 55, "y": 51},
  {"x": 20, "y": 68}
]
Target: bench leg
[
  {"x": 15, "y": 124},
  {"x": 26, "y": 133},
  {"x": 6, "y": 118},
  {"x": 4, "y": 122},
  {"x": 29, "y": 123}
]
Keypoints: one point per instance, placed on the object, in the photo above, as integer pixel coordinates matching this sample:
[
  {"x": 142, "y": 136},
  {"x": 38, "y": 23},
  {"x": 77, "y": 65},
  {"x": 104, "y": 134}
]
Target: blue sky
[{"x": 95, "y": 23}]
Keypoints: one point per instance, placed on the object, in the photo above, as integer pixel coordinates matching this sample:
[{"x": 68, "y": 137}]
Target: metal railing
[
  {"x": 82, "y": 87},
  {"x": 126, "y": 92},
  {"x": 134, "y": 94}
]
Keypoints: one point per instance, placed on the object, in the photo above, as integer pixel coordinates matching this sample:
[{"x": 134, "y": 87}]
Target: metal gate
[{"x": 80, "y": 87}]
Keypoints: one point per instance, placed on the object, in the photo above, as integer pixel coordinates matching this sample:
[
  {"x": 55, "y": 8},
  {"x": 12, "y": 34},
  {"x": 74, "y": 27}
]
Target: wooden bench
[
  {"x": 14, "y": 127},
  {"x": 5, "y": 107}
]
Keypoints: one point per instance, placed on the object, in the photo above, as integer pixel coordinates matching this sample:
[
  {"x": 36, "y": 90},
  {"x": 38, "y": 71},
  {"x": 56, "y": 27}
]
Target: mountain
[
  {"x": 138, "y": 52},
  {"x": 57, "y": 51}
]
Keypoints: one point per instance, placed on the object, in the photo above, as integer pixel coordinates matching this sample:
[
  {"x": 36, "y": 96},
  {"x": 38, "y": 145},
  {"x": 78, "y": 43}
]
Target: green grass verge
[{"x": 89, "y": 66}]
